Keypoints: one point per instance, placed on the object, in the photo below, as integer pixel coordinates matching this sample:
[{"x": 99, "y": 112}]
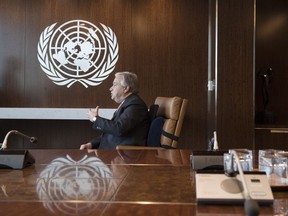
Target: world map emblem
[{"x": 78, "y": 51}]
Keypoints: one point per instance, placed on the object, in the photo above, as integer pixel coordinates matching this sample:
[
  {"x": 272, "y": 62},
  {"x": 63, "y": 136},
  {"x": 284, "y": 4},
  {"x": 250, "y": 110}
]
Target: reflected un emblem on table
[
  {"x": 78, "y": 51},
  {"x": 78, "y": 184}
]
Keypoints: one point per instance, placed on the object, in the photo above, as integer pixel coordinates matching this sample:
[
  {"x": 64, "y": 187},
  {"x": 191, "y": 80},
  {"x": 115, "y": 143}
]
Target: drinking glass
[
  {"x": 272, "y": 162},
  {"x": 245, "y": 159}
]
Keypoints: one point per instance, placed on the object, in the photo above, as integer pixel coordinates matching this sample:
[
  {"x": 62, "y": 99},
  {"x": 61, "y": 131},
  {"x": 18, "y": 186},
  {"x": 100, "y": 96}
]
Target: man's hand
[
  {"x": 92, "y": 114},
  {"x": 86, "y": 146}
]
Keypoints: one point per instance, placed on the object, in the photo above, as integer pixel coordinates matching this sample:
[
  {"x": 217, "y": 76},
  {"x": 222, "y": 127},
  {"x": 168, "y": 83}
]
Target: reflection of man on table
[{"x": 129, "y": 124}]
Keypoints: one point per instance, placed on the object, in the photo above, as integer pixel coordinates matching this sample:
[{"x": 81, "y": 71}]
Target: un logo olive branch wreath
[{"x": 100, "y": 75}]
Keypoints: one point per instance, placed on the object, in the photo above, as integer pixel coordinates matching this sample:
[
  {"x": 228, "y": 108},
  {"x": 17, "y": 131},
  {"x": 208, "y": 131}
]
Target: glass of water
[
  {"x": 245, "y": 159},
  {"x": 272, "y": 162}
]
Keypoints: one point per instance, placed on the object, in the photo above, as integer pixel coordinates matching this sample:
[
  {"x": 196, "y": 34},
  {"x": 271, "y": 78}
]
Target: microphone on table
[
  {"x": 4, "y": 144},
  {"x": 16, "y": 159},
  {"x": 250, "y": 205}
]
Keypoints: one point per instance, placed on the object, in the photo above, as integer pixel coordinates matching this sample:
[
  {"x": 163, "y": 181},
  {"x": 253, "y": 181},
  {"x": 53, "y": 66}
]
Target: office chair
[{"x": 167, "y": 116}]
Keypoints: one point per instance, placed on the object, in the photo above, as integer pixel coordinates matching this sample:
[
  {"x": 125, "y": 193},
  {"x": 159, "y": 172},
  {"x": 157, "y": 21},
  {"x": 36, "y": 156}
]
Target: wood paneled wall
[
  {"x": 271, "y": 51},
  {"x": 164, "y": 41},
  {"x": 235, "y": 106}
]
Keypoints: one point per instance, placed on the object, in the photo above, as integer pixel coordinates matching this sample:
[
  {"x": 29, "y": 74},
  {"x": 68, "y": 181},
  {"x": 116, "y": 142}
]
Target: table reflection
[
  {"x": 77, "y": 183},
  {"x": 9, "y": 181},
  {"x": 280, "y": 207}
]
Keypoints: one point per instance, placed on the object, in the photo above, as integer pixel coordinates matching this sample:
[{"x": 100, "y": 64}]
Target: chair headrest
[{"x": 169, "y": 107}]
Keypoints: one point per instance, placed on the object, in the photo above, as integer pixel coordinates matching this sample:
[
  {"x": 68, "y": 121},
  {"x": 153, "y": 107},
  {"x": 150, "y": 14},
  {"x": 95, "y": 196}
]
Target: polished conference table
[{"x": 120, "y": 182}]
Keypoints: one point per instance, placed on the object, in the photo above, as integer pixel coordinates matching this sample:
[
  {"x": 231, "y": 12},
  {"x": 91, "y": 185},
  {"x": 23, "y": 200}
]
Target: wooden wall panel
[
  {"x": 164, "y": 41},
  {"x": 235, "y": 118},
  {"x": 264, "y": 139},
  {"x": 51, "y": 134},
  {"x": 271, "y": 51},
  {"x": 48, "y": 94},
  {"x": 170, "y": 53},
  {"x": 12, "y": 59}
]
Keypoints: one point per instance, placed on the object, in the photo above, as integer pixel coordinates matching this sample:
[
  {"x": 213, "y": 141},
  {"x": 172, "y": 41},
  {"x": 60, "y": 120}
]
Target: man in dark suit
[{"x": 130, "y": 123}]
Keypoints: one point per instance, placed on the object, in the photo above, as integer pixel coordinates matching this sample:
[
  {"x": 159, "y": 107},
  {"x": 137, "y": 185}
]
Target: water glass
[
  {"x": 272, "y": 162},
  {"x": 245, "y": 158}
]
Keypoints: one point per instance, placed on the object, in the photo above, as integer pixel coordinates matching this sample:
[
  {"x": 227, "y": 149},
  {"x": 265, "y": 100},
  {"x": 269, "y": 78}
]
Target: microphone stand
[
  {"x": 250, "y": 205},
  {"x": 15, "y": 159},
  {"x": 5, "y": 141}
]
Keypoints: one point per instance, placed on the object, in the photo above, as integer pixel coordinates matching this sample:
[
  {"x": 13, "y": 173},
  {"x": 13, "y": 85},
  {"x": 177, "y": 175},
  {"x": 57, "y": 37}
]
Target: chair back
[{"x": 172, "y": 110}]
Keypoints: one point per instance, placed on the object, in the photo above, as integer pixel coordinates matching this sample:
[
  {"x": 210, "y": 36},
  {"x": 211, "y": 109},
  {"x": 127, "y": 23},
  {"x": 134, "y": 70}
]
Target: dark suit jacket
[{"x": 129, "y": 125}]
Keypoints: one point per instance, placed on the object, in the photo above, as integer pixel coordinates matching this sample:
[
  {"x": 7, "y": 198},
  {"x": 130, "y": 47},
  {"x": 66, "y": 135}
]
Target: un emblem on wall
[{"x": 77, "y": 51}]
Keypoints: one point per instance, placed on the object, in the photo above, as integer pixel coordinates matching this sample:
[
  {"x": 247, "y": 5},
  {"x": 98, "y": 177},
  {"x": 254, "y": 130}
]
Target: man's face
[{"x": 117, "y": 91}]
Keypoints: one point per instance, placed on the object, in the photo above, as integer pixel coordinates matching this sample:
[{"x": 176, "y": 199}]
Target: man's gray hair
[{"x": 131, "y": 80}]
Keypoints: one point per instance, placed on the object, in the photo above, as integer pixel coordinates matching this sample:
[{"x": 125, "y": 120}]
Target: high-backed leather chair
[
  {"x": 172, "y": 110},
  {"x": 166, "y": 123}
]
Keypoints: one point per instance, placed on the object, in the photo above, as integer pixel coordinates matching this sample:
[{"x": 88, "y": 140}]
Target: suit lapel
[{"x": 118, "y": 110}]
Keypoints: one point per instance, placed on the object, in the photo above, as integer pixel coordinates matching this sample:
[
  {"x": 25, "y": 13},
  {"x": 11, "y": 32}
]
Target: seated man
[{"x": 130, "y": 123}]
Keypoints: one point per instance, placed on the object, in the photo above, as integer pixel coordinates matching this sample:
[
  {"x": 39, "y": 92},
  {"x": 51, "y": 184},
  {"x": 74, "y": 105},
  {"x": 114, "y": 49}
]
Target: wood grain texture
[
  {"x": 271, "y": 51},
  {"x": 12, "y": 59},
  {"x": 170, "y": 53},
  {"x": 74, "y": 182},
  {"x": 235, "y": 116},
  {"x": 164, "y": 41}
]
